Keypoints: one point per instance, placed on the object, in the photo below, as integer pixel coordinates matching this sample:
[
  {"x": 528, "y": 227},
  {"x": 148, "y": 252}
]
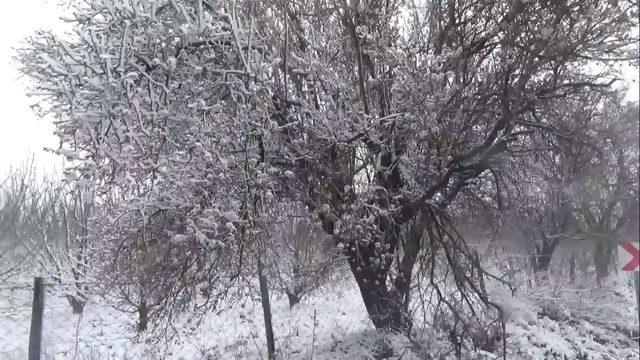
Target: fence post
[
  {"x": 266, "y": 309},
  {"x": 35, "y": 334},
  {"x": 636, "y": 280}
]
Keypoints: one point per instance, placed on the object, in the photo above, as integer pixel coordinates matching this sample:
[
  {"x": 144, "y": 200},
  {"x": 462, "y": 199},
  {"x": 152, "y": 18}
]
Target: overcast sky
[{"x": 22, "y": 134}]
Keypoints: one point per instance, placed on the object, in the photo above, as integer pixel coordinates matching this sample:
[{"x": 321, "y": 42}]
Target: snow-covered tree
[
  {"x": 376, "y": 115},
  {"x": 300, "y": 256},
  {"x": 606, "y": 200}
]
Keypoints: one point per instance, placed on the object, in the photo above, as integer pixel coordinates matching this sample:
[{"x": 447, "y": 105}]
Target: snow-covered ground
[
  {"x": 102, "y": 332},
  {"x": 565, "y": 322}
]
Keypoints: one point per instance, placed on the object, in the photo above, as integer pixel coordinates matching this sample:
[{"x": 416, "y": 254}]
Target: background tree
[
  {"x": 47, "y": 221},
  {"x": 300, "y": 255},
  {"x": 157, "y": 267},
  {"x": 572, "y": 181},
  {"x": 13, "y": 192},
  {"x": 607, "y": 200}
]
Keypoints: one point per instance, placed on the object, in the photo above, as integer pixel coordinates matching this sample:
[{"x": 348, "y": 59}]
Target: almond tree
[
  {"x": 300, "y": 256},
  {"x": 376, "y": 115}
]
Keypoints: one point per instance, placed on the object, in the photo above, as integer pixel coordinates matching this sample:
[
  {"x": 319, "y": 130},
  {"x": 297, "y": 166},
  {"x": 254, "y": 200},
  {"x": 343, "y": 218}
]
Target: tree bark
[
  {"x": 602, "y": 259},
  {"x": 294, "y": 299},
  {"x": 143, "y": 316},
  {"x": 544, "y": 255},
  {"x": 384, "y": 306},
  {"x": 77, "y": 304},
  {"x": 572, "y": 268},
  {"x": 295, "y": 294},
  {"x": 410, "y": 248}
]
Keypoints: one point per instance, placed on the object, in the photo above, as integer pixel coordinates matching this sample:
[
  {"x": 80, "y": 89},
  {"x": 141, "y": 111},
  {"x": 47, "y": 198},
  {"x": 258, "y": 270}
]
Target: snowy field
[{"x": 564, "y": 322}]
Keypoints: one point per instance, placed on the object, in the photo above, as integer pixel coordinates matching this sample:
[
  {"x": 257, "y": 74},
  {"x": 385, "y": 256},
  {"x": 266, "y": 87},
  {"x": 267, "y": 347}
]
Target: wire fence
[
  {"x": 58, "y": 340},
  {"x": 105, "y": 329},
  {"x": 96, "y": 329},
  {"x": 15, "y": 315}
]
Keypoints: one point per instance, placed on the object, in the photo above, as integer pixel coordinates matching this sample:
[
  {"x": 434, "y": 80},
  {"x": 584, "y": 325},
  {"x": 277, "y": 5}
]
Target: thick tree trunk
[
  {"x": 295, "y": 294},
  {"x": 77, "y": 304},
  {"x": 544, "y": 255},
  {"x": 410, "y": 248},
  {"x": 602, "y": 259},
  {"x": 385, "y": 307},
  {"x": 294, "y": 299},
  {"x": 387, "y": 304},
  {"x": 143, "y": 316},
  {"x": 543, "y": 260}
]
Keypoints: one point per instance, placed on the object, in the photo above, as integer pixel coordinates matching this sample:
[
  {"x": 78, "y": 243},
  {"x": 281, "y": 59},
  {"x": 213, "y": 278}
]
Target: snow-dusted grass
[
  {"x": 544, "y": 321},
  {"x": 552, "y": 318},
  {"x": 340, "y": 327}
]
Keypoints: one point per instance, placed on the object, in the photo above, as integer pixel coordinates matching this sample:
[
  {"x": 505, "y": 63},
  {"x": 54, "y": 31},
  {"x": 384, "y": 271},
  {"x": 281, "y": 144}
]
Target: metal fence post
[
  {"x": 37, "y": 310},
  {"x": 266, "y": 309},
  {"x": 636, "y": 280}
]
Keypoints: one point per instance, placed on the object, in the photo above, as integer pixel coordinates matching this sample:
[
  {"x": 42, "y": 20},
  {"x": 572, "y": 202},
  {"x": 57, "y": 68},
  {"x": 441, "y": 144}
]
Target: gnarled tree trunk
[
  {"x": 294, "y": 299},
  {"x": 385, "y": 306},
  {"x": 602, "y": 259},
  {"x": 77, "y": 304},
  {"x": 386, "y": 301},
  {"x": 544, "y": 254}
]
